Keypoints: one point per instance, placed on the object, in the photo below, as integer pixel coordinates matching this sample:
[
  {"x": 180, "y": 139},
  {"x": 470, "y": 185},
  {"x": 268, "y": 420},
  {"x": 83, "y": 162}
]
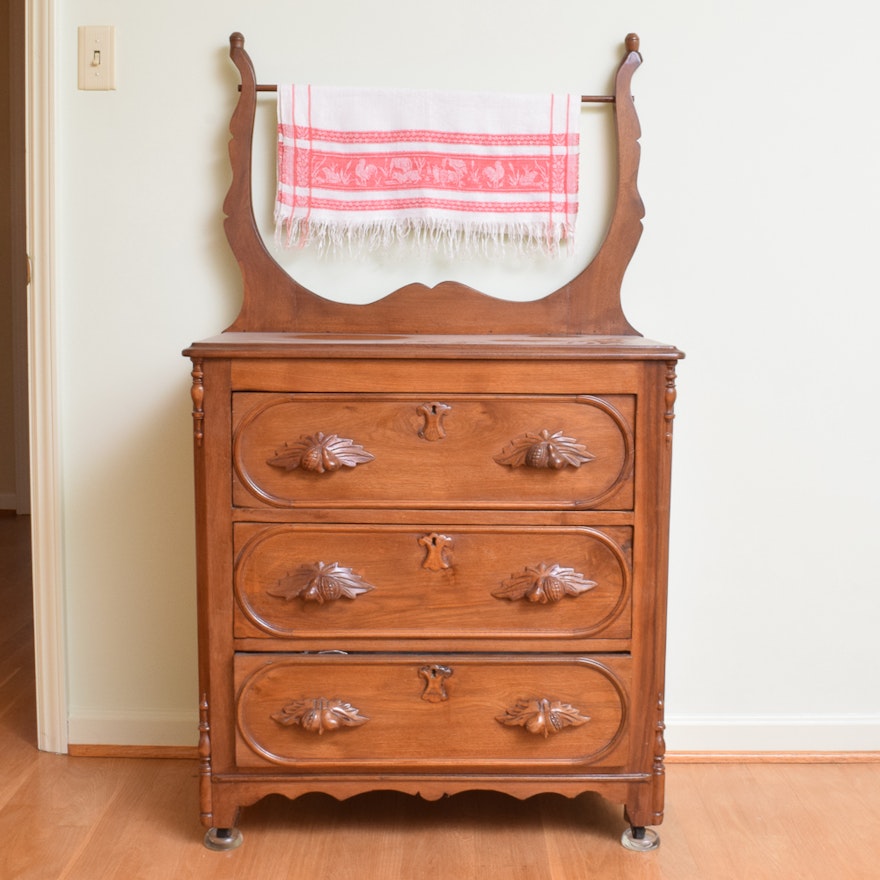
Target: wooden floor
[{"x": 136, "y": 819}]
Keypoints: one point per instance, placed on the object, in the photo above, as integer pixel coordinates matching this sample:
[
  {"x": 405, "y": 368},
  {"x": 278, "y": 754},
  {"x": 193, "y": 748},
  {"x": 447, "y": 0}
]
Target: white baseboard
[
  {"x": 133, "y": 728},
  {"x": 684, "y": 733},
  {"x": 770, "y": 733}
]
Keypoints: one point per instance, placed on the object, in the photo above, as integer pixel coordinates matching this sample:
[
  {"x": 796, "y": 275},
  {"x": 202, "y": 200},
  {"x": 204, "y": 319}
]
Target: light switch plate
[{"x": 97, "y": 57}]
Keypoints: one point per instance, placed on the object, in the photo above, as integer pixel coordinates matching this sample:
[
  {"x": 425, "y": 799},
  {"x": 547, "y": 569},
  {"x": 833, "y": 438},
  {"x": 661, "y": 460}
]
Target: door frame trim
[
  {"x": 17, "y": 271},
  {"x": 50, "y": 652}
]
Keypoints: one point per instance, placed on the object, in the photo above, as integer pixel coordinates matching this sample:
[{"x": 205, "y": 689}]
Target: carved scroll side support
[
  {"x": 198, "y": 398},
  {"x": 270, "y": 294},
  {"x": 595, "y": 292},
  {"x": 241, "y": 127}
]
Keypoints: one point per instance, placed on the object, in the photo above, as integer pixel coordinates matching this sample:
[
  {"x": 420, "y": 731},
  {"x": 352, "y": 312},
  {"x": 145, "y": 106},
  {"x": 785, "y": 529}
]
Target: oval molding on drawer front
[
  {"x": 626, "y": 465},
  {"x": 313, "y": 452},
  {"x": 528, "y": 451},
  {"x": 406, "y": 733},
  {"x": 389, "y": 464},
  {"x": 412, "y": 601}
]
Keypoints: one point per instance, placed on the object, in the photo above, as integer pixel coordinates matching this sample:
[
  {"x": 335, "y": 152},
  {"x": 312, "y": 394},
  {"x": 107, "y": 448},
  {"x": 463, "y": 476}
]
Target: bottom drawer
[{"x": 344, "y": 713}]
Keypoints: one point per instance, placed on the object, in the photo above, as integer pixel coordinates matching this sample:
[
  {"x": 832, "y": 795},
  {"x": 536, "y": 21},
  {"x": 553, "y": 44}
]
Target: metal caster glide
[
  {"x": 223, "y": 839},
  {"x": 640, "y": 839}
]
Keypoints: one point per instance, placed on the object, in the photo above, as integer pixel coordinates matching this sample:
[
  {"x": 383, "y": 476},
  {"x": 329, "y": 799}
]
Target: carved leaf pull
[
  {"x": 437, "y": 550},
  {"x": 321, "y": 582},
  {"x": 543, "y": 716},
  {"x": 319, "y": 715},
  {"x": 433, "y": 414},
  {"x": 544, "y": 450},
  {"x": 320, "y": 453},
  {"x": 544, "y": 583},
  {"x": 435, "y": 687}
]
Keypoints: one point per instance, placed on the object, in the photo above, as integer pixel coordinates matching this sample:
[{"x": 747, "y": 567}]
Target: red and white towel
[{"x": 453, "y": 169}]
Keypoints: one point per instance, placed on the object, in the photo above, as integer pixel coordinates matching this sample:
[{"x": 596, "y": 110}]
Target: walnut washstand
[{"x": 432, "y": 558}]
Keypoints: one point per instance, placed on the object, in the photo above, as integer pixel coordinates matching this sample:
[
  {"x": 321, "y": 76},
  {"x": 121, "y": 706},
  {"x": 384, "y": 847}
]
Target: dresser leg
[
  {"x": 638, "y": 813},
  {"x": 222, "y": 839}
]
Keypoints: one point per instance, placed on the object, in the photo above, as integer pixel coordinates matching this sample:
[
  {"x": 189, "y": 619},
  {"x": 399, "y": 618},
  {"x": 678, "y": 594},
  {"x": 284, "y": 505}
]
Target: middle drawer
[{"x": 332, "y": 583}]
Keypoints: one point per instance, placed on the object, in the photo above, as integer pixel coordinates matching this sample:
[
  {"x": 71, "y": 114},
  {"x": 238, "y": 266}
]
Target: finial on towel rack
[{"x": 632, "y": 42}]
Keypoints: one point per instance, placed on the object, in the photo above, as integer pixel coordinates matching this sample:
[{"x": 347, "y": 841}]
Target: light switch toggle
[{"x": 97, "y": 57}]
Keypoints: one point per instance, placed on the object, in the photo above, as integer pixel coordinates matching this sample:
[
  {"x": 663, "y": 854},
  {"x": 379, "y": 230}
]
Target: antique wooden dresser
[{"x": 432, "y": 531}]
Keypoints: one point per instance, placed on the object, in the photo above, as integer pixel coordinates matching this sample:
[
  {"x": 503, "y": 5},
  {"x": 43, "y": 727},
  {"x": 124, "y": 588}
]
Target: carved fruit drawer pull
[
  {"x": 433, "y": 414},
  {"x": 541, "y": 716},
  {"x": 321, "y": 583},
  {"x": 321, "y": 453},
  {"x": 544, "y": 450},
  {"x": 319, "y": 715},
  {"x": 544, "y": 583}
]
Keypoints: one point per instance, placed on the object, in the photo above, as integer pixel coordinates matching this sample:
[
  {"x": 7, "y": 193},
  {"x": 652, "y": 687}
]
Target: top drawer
[{"x": 501, "y": 451}]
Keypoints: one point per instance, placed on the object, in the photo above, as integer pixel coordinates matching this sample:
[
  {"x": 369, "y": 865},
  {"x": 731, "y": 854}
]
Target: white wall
[{"x": 760, "y": 179}]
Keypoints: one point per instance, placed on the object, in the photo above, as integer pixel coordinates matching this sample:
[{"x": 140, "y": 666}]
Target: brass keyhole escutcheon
[
  {"x": 435, "y": 677},
  {"x": 433, "y": 414}
]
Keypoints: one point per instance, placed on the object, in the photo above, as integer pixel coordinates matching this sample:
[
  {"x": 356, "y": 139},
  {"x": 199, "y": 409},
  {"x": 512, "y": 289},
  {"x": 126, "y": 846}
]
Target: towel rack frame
[{"x": 589, "y": 304}]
